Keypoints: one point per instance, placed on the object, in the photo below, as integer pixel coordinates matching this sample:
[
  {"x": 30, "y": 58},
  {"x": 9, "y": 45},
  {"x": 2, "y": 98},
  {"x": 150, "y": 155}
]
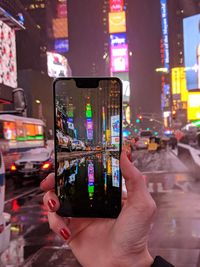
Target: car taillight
[
  {"x": 46, "y": 165},
  {"x": 13, "y": 167}
]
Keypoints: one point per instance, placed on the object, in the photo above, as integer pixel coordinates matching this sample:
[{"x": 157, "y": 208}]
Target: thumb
[{"x": 133, "y": 178}]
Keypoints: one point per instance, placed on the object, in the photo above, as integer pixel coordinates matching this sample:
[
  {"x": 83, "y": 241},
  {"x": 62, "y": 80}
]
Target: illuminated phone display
[{"x": 88, "y": 121}]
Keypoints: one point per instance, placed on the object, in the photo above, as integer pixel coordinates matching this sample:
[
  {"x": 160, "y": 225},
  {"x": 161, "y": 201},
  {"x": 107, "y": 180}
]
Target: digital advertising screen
[
  {"x": 118, "y": 39},
  {"x": 119, "y": 59},
  {"x": 61, "y": 45},
  {"x": 8, "y": 65},
  {"x": 57, "y": 65},
  {"x": 62, "y": 10},
  {"x": 194, "y": 106},
  {"x": 117, "y": 22},
  {"x": 191, "y": 30},
  {"x": 116, "y": 5},
  {"x": 115, "y": 129},
  {"x": 60, "y": 28},
  {"x": 115, "y": 173}
]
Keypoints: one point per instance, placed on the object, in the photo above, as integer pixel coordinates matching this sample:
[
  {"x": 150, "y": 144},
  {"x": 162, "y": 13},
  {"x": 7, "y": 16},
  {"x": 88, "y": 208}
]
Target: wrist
[{"x": 141, "y": 259}]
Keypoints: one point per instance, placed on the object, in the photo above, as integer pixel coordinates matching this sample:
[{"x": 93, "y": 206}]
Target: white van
[{"x": 4, "y": 217}]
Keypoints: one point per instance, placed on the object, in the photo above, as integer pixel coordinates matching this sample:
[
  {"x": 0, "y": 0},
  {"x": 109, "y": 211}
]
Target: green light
[
  {"x": 156, "y": 133},
  {"x": 88, "y": 111},
  {"x": 148, "y": 129},
  {"x": 137, "y": 120},
  {"x": 135, "y": 130},
  {"x": 196, "y": 123}
]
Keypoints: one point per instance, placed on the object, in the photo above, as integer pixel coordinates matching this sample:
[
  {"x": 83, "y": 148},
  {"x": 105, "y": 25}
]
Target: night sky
[{"x": 144, "y": 30}]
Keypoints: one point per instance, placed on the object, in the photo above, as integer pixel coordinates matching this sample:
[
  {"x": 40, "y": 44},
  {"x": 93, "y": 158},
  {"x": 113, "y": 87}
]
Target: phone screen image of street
[{"x": 88, "y": 133}]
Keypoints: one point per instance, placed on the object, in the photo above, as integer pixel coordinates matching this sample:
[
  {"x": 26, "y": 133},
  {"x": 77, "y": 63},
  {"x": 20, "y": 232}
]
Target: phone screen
[{"x": 88, "y": 126}]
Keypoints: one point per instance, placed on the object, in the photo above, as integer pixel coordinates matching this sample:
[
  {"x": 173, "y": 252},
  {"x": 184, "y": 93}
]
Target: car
[
  {"x": 64, "y": 141},
  {"x": 98, "y": 148},
  {"x": 77, "y": 145},
  {"x": 34, "y": 164},
  {"x": 88, "y": 148},
  {"x": 142, "y": 143}
]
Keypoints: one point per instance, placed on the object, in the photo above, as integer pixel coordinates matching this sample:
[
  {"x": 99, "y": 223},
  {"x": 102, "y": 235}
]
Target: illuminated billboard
[
  {"x": 115, "y": 173},
  {"x": 60, "y": 28},
  {"x": 57, "y": 65},
  {"x": 192, "y": 51},
  {"x": 193, "y": 106},
  {"x": 118, "y": 39},
  {"x": 115, "y": 130},
  {"x": 62, "y": 10},
  {"x": 89, "y": 122},
  {"x": 117, "y": 22},
  {"x": 119, "y": 58},
  {"x": 61, "y": 45},
  {"x": 179, "y": 89},
  {"x": 165, "y": 37},
  {"x": 116, "y": 5},
  {"x": 8, "y": 66}
]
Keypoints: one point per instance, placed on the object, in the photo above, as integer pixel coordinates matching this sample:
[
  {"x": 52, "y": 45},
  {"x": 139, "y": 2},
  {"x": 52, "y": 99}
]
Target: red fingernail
[
  {"x": 51, "y": 204},
  {"x": 64, "y": 233},
  {"x": 129, "y": 156}
]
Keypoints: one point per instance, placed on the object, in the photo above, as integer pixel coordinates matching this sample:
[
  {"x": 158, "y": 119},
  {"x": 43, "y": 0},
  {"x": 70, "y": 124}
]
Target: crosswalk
[{"x": 157, "y": 188}]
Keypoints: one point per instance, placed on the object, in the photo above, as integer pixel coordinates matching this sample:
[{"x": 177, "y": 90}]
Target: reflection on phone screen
[{"x": 88, "y": 139}]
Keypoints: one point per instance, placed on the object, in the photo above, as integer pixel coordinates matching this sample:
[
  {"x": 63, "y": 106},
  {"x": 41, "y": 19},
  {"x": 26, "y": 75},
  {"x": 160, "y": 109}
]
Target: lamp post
[{"x": 40, "y": 111}]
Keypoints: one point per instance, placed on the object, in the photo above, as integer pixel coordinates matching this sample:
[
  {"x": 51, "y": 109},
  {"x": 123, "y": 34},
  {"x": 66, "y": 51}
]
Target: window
[{"x": 9, "y": 130}]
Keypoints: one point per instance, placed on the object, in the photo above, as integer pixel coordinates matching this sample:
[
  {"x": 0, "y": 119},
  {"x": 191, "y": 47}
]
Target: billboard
[
  {"x": 116, "y": 5},
  {"x": 165, "y": 38},
  {"x": 115, "y": 173},
  {"x": 192, "y": 51},
  {"x": 179, "y": 89},
  {"x": 60, "y": 28},
  {"x": 57, "y": 65},
  {"x": 89, "y": 128},
  {"x": 115, "y": 129},
  {"x": 61, "y": 45},
  {"x": 119, "y": 58},
  {"x": 117, "y": 22},
  {"x": 8, "y": 65},
  {"x": 193, "y": 106},
  {"x": 62, "y": 10},
  {"x": 118, "y": 39}
]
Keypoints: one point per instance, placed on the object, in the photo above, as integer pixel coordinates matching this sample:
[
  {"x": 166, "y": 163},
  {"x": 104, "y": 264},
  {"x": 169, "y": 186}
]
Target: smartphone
[{"x": 88, "y": 138}]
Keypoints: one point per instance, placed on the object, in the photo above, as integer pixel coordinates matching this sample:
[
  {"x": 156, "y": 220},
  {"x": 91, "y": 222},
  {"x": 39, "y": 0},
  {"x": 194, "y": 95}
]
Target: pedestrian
[{"x": 98, "y": 242}]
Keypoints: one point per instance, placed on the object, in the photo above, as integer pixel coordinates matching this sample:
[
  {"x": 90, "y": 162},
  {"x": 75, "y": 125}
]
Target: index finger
[{"x": 48, "y": 183}]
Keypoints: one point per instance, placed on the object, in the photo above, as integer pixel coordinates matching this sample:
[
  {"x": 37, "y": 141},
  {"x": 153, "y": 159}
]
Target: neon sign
[{"x": 164, "y": 20}]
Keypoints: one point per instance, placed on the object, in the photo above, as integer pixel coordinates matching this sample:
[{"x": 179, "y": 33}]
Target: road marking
[
  {"x": 21, "y": 195},
  {"x": 157, "y": 188}
]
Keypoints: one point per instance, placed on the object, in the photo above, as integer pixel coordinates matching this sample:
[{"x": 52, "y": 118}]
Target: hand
[{"x": 120, "y": 242}]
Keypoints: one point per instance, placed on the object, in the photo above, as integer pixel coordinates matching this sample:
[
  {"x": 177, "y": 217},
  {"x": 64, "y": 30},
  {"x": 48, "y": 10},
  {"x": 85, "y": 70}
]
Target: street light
[{"x": 37, "y": 101}]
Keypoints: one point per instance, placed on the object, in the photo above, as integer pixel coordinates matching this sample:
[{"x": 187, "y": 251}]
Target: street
[{"x": 175, "y": 233}]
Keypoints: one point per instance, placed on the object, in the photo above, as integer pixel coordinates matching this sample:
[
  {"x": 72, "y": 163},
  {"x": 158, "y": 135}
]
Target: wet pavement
[{"x": 175, "y": 233}]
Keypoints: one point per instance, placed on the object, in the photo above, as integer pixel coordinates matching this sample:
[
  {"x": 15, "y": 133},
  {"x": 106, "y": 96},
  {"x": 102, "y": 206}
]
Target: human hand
[{"x": 108, "y": 242}]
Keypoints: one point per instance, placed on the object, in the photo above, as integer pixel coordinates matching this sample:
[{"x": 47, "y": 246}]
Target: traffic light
[
  {"x": 139, "y": 119},
  {"x": 173, "y": 114}
]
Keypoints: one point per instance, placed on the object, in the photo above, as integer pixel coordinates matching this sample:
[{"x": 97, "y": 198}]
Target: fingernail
[
  {"x": 129, "y": 156},
  {"x": 64, "y": 233},
  {"x": 51, "y": 204}
]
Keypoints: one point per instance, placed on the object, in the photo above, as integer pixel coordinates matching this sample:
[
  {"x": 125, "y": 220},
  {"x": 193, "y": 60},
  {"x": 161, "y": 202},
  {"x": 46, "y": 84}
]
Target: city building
[{"x": 9, "y": 24}]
